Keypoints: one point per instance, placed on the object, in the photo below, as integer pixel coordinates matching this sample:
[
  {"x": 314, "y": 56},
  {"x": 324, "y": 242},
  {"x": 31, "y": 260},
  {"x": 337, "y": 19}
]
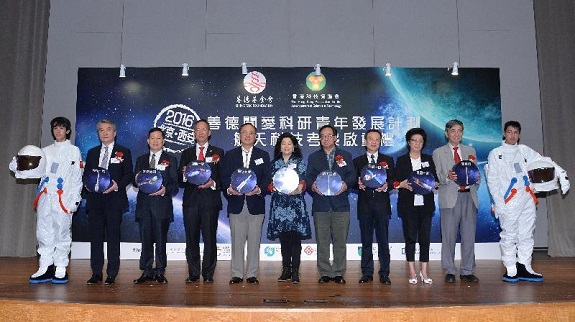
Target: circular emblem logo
[
  {"x": 255, "y": 82},
  {"x": 315, "y": 82},
  {"x": 177, "y": 121}
]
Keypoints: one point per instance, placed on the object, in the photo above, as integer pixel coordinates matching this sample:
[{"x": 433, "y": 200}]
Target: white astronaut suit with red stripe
[
  {"x": 58, "y": 197},
  {"x": 514, "y": 203}
]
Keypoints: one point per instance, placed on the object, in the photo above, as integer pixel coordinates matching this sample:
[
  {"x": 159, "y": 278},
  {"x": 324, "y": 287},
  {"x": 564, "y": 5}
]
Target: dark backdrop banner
[{"x": 292, "y": 100}]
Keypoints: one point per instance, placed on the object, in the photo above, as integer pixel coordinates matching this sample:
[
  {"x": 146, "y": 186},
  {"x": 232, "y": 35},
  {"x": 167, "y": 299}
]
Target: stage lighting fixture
[
  {"x": 122, "y": 70},
  {"x": 388, "y": 70},
  {"x": 244, "y": 68},
  {"x": 454, "y": 69},
  {"x": 317, "y": 69},
  {"x": 185, "y": 69}
]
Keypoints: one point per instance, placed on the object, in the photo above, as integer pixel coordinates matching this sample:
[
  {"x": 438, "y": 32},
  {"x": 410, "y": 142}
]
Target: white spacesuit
[
  {"x": 514, "y": 204},
  {"x": 58, "y": 196}
]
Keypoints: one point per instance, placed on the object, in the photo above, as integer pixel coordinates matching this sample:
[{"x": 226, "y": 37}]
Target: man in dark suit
[
  {"x": 105, "y": 210},
  {"x": 331, "y": 213},
  {"x": 201, "y": 204},
  {"x": 154, "y": 211},
  {"x": 374, "y": 210},
  {"x": 246, "y": 211},
  {"x": 457, "y": 205}
]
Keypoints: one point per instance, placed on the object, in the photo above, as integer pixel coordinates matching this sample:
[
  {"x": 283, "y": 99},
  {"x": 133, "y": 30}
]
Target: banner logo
[
  {"x": 255, "y": 82},
  {"x": 177, "y": 122}
]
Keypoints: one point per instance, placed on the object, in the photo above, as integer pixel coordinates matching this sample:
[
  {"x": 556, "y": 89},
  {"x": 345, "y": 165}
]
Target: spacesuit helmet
[
  {"x": 542, "y": 175},
  {"x": 31, "y": 162}
]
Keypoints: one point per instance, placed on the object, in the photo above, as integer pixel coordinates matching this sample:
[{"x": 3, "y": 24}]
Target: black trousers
[
  {"x": 104, "y": 222},
  {"x": 201, "y": 218},
  {"x": 417, "y": 228},
  {"x": 153, "y": 230},
  {"x": 291, "y": 249}
]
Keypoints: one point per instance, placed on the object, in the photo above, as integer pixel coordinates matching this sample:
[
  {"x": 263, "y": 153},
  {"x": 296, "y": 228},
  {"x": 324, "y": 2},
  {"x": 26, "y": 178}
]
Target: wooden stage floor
[{"x": 553, "y": 299}]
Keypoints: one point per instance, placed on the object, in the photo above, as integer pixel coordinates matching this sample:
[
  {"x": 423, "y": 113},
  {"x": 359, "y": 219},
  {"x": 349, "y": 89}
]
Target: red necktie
[
  {"x": 457, "y": 159},
  {"x": 201, "y": 157}
]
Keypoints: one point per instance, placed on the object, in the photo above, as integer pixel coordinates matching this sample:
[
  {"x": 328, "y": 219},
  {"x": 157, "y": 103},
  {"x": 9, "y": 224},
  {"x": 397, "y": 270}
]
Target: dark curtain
[
  {"x": 23, "y": 39},
  {"x": 555, "y": 32}
]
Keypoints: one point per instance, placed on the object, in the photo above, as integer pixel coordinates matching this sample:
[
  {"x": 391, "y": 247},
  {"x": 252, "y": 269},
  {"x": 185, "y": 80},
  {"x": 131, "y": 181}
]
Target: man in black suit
[
  {"x": 374, "y": 210},
  {"x": 201, "y": 204},
  {"x": 246, "y": 211},
  {"x": 154, "y": 211},
  {"x": 105, "y": 210}
]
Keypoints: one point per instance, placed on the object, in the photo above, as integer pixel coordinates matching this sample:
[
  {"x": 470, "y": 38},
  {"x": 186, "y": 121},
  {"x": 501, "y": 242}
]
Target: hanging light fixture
[
  {"x": 185, "y": 69},
  {"x": 244, "y": 68},
  {"x": 454, "y": 69},
  {"x": 122, "y": 70},
  {"x": 388, "y": 70}
]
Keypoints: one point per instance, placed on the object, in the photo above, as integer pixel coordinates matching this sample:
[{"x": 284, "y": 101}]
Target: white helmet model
[
  {"x": 30, "y": 163},
  {"x": 543, "y": 175}
]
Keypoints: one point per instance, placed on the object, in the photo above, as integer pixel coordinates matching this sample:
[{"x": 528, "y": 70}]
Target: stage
[{"x": 489, "y": 300}]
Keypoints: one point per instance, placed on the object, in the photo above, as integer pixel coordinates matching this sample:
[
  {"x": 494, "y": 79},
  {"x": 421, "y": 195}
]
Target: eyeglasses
[{"x": 326, "y": 136}]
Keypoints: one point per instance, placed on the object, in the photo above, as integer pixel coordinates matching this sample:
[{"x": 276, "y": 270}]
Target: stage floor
[{"x": 558, "y": 286}]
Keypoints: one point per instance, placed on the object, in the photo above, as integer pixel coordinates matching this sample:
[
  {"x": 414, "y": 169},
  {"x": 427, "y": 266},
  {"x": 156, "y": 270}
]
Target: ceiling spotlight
[
  {"x": 454, "y": 69},
  {"x": 317, "y": 69},
  {"x": 185, "y": 69},
  {"x": 244, "y": 68},
  {"x": 388, "y": 70},
  {"x": 122, "y": 70}
]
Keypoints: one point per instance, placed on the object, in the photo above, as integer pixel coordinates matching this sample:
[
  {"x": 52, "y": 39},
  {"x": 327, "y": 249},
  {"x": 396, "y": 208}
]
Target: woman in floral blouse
[{"x": 289, "y": 220}]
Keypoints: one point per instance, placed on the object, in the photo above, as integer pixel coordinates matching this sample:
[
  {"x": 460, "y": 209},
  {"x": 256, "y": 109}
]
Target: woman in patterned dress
[{"x": 289, "y": 220}]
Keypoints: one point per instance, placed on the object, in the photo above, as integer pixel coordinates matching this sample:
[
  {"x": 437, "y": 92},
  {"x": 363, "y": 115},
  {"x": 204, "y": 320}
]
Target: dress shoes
[
  {"x": 339, "y": 280},
  {"x": 208, "y": 280},
  {"x": 449, "y": 278},
  {"x": 252, "y": 280},
  {"x": 143, "y": 279},
  {"x": 427, "y": 280},
  {"x": 384, "y": 279},
  {"x": 324, "y": 279},
  {"x": 236, "y": 280},
  {"x": 95, "y": 279},
  {"x": 192, "y": 279},
  {"x": 365, "y": 279},
  {"x": 469, "y": 278},
  {"x": 160, "y": 278},
  {"x": 110, "y": 280}
]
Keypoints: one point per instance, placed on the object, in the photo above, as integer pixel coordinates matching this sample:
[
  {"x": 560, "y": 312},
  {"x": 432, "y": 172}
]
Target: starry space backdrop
[{"x": 351, "y": 98}]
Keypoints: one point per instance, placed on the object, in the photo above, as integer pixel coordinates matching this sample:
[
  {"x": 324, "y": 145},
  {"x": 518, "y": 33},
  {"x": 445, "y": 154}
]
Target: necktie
[
  {"x": 201, "y": 157},
  {"x": 457, "y": 159},
  {"x": 372, "y": 159},
  {"x": 246, "y": 159},
  {"x": 152, "y": 164},
  {"x": 104, "y": 162}
]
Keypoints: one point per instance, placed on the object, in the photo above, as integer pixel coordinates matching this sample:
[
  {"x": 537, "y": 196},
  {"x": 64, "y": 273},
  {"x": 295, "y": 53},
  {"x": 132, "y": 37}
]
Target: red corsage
[
  {"x": 165, "y": 163},
  {"x": 471, "y": 157},
  {"x": 384, "y": 165},
  {"x": 395, "y": 184},
  {"x": 271, "y": 187},
  {"x": 303, "y": 185},
  {"x": 119, "y": 156},
  {"x": 339, "y": 160},
  {"x": 215, "y": 158}
]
